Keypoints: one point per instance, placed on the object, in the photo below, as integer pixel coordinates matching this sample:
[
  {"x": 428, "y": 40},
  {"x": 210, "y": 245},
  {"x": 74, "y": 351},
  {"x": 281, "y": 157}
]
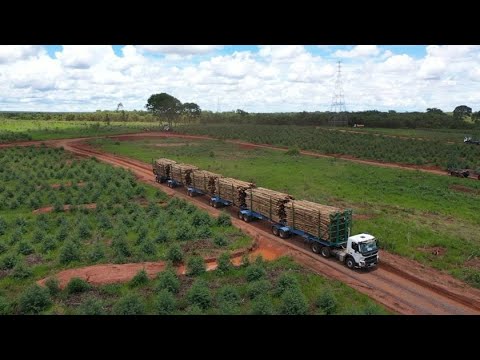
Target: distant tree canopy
[
  {"x": 461, "y": 111},
  {"x": 434, "y": 111},
  {"x": 167, "y": 106}
]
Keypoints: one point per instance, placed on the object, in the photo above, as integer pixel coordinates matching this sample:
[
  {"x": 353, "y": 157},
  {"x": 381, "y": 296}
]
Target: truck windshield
[{"x": 368, "y": 246}]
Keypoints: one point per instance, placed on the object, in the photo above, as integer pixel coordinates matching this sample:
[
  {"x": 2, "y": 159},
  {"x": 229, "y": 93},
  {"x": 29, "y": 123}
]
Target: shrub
[
  {"x": 257, "y": 288},
  {"x": 140, "y": 278},
  {"x": 196, "y": 265},
  {"x": 34, "y": 299},
  {"x": 97, "y": 253},
  {"x": 327, "y": 302},
  {"x": 57, "y": 206},
  {"x": 92, "y": 306},
  {"x": 84, "y": 231},
  {"x": 4, "y": 306},
  {"x": 8, "y": 262},
  {"x": 372, "y": 309},
  {"x": 3, "y": 227},
  {"x": 25, "y": 248},
  {"x": 255, "y": 272},
  {"x": 120, "y": 247},
  {"x": 220, "y": 240},
  {"x": 201, "y": 218},
  {"x": 148, "y": 247},
  {"x": 204, "y": 232},
  {"x": 224, "y": 220},
  {"x": 161, "y": 237},
  {"x": 286, "y": 281},
  {"x": 166, "y": 303},
  {"x": 228, "y": 295},
  {"x": 62, "y": 233},
  {"x": 199, "y": 294},
  {"x": 168, "y": 280},
  {"x": 77, "y": 285},
  {"x": 293, "y": 151},
  {"x": 194, "y": 310},
  {"x": 245, "y": 260},
  {"x": 3, "y": 247},
  {"x": 262, "y": 306},
  {"x": 48, "y": 244},
  {"x": 130, "y": 304},
  {"x": 70, "y": 252},
  {"x": 38, "y": 236},
  {"x": 294, "y": 303},
  {"x": 21, "y": 271},
  {"x": 223, "y": 263},
  {"x": 53, "y": 286},
  {"x": 184, "y": 233},
  {"x": 175, "y": 253}
]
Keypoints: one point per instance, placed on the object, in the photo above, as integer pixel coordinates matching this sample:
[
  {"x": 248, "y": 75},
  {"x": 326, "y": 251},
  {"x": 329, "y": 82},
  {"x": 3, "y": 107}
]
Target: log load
[
  {"x": 268, "y": 203},
  {"x": 326, "y": 222},
  {"x": 183, "y": 173},
  {"x": 204, "y": 180},
  {"x": 162, "y": 167},
  {"x": 232, "y": 190}
]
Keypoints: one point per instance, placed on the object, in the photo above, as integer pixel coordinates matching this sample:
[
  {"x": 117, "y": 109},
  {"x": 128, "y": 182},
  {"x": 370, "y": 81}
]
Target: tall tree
[
  {"x": 191, "y": 110},
  {"x": 462, "y": 111},
  {"x": 434, "y": 110},
  {"x": 164, "y": 106}
]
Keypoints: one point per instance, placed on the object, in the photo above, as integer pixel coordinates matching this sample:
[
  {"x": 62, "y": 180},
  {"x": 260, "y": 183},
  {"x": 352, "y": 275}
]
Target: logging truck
[{"x": 326, "y": 229}]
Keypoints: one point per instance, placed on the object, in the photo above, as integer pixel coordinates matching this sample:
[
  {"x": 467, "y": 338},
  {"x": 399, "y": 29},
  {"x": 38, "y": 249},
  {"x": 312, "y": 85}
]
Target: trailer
[
  {"x": 469, "y": 140},
  {"x": 464, "y": 173},
  {"x": 216, "y": 202}
]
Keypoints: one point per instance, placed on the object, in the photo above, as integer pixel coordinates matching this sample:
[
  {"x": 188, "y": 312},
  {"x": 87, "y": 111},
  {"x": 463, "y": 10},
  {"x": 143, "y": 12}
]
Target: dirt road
[{"x": 418, "y": 291}]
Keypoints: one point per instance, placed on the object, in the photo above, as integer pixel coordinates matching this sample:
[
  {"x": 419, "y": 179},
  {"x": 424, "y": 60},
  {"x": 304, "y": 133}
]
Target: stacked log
[
  {"x": 233, "y": 190},
  {"x": 205, "y": 180},
  {"x": 162, "y": 167},
  {"x": 268, "y": 202},
  {"x": 183, "y": 173},
  {"x": 310, "y": 217}
]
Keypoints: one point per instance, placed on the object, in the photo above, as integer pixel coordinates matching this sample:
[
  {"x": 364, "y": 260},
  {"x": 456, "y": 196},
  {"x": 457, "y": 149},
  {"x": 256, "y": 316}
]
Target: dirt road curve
[{"x": 419, "y": 291}]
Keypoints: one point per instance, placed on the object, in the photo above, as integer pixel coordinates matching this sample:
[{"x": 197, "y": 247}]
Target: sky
[{"x": 264, "y": 78}]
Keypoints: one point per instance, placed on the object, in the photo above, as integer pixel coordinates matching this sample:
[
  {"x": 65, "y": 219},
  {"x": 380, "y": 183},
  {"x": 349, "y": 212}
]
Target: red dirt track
[{"x": 402, "y": 285}]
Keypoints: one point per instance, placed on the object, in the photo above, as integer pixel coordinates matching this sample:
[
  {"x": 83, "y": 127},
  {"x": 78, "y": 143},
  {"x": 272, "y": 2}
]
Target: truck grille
[{"x": 371, "y": 259}]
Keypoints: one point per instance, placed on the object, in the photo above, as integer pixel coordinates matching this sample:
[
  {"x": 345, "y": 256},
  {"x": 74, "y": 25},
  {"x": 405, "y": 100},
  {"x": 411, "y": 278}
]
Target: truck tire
[
  {"x": 316, "y": 247},
  {"x": 275, "y": 230},
  {"x": 282, "y": 234},
  {"x": 325, "y": 251},
  {"x": 246, "y": 218},
  {"x": 215, "y": 204},
  {"x": 190, "y": 193},
  {"x": 240, "y": 215},
  {"x": 350, "y": 262},
  {"x": 211, "y": 203}
]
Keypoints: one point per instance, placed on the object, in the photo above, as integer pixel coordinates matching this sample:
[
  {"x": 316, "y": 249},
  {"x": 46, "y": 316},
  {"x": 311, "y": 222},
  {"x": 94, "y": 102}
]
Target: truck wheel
[
  {"x": 316, "y": 247},
  {"x": 240, "y": 215},
  {"x": 275, "y": 230},
  {"x": 350, "y": 263},
  {"x": 325, "y": 252},
  {"x": 283, "y": 234},
  {"x": 215, "y": 204},
  {"x": 190, "y": 194},
  {"x": 246, "y": 218}
]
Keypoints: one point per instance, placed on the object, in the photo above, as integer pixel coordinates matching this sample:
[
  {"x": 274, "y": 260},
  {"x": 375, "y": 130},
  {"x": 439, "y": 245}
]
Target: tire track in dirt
[{"x": 398, "y": 291}]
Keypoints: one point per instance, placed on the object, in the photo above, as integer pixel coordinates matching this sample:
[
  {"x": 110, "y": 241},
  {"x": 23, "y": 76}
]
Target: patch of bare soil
[
  {"x": 48, "y": 209},
  {"x": 434, "y": 250},
  {"x": 474, "y": 263},
  {"x": 464, "y": 189},
  {"x": 33, "y": 259}
]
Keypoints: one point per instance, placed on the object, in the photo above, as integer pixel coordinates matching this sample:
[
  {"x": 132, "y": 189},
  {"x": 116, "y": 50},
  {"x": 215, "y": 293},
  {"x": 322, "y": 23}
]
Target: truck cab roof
[{"x": 361, "y": 238}]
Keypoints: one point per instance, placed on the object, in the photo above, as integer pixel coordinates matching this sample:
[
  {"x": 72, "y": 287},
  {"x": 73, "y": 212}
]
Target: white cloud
[
  {"x": 182, "y": 50},
  {"x": 359, "y": 51},
  {"x": 10, "y": 53},
  {"x": 272, "y": 78}
]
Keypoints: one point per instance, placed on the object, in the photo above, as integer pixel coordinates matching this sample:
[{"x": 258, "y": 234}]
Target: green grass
[
  {"x": 48, "y": 130},
  {"x": 408, "y": 210}
]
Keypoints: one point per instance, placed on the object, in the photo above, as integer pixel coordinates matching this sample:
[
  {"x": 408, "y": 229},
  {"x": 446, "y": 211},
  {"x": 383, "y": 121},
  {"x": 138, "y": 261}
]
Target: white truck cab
[{"x": 361, "y": 252}]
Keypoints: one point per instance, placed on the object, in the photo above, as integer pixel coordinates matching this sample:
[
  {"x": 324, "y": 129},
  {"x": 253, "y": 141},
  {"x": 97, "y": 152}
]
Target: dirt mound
[
  {"x": 473, "y": 263},
  {"x": 434, "y": 250}
]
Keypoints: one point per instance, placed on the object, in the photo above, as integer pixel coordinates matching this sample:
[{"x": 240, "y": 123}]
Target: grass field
[
  {"x": 436, "y": 152},
  {"x": 131, "y": 223},
  {"x": 409, "y": 211},
  {"x": 11, "y": 130}
]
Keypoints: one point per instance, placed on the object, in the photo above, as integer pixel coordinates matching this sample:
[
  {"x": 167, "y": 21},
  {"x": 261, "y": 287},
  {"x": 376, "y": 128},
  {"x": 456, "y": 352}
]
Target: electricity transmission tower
[{"x": 338, "y": 101}]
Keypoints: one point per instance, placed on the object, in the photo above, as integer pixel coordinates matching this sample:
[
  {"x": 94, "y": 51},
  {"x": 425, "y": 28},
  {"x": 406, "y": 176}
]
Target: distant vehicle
[
  {"x": 358, "y": 125},
  {"x": 469, "y": 140},
  {"x": 166, "y": 128},
  {"x": 464, "y": 173}
]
